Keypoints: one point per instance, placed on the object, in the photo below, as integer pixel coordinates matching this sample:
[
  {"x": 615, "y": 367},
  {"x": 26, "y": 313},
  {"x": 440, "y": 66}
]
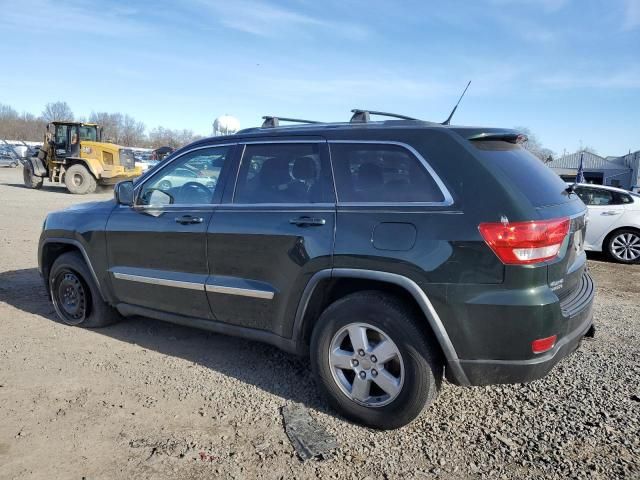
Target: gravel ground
[{"x": 143, "y": 399}]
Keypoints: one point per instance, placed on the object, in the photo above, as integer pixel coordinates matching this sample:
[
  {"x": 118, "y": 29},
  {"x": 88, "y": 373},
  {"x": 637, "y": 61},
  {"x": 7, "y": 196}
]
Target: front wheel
[
  {"x": 30, "y": 180},
  {"x": 624, "y": 246},
  {"x": 79, "y": 180},
  {"x": 373, "y": 361},
  {"x": 75, "y": 295}
]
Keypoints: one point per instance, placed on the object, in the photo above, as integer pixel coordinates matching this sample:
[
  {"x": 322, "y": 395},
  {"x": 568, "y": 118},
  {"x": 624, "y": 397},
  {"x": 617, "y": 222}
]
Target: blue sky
[{"x": 567, "y": 69}]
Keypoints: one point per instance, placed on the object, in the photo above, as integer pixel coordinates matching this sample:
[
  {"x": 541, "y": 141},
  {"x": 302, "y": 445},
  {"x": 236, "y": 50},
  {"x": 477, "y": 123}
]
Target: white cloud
[
  {"x": 631, "y": 14},
  {"x": 628, "y": 79},
  {"x": 548, "y": 6},
  {"x": 264, "y": 19},
  {"x": 49, "y": 16}
]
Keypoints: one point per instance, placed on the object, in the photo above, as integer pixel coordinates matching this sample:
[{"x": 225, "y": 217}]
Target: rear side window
[
  {"x": 525, "y": 172},
  {"x": 381, "y": 173},
  {"x": 283, "y": 173}
]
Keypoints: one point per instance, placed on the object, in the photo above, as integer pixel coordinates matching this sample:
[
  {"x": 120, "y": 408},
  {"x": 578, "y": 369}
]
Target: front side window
[
  {"x": 88, "y": 133},
  {"x": 381, "y": 173},
  {"x": 190, "y": 179},
  {"x": 283, "y": 173}
]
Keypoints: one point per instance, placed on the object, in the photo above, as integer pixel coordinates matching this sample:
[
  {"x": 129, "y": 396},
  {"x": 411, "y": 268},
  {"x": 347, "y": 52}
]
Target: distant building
[{"x": 622, "y": 172}]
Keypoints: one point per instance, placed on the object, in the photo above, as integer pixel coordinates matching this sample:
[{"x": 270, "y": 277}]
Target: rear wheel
[
  {"x": 624, "y": 246},
  {"x": 75, "y": 295},
  {"x": 30, "y": 180},
  {"x": 373, "y": 361},
  {"x": 79, "y": 180}
]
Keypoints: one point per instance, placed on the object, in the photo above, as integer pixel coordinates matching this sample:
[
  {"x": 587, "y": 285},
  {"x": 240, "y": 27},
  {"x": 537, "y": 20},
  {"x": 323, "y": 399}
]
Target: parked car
[
  {"x": 7, "y": 157},
  {"x": 144, "y": 161},
  {"x": 394, "y": 254},
  {"x": 614, "y": 221}
]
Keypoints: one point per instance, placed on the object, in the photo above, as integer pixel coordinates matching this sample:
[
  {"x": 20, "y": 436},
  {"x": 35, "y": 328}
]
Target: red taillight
[
  {"x": 542, "y": 345},
  {"x": 521, "y": 243}
]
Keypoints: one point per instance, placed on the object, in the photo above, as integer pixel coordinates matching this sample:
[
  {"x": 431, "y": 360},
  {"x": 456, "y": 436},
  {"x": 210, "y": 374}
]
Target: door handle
[
  {"x": 307, "y": 221},
  {"x": 188, "y": 220},
  {"x": 610, "y": 212}
]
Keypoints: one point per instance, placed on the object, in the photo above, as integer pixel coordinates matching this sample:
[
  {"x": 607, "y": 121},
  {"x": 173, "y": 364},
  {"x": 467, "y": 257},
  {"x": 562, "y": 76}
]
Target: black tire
[
  {"x": 616, "y": 242},
  {"x": 164, "y": 185},
  {"x": 79, "y": 180},
  {"x": 30, "y": 180},
  {"x": 419, "y": 356},
  {"x": 69, "y": 272}
]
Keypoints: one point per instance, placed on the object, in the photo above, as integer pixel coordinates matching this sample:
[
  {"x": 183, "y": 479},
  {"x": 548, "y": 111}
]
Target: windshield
[{"x": 88, "y": 133}]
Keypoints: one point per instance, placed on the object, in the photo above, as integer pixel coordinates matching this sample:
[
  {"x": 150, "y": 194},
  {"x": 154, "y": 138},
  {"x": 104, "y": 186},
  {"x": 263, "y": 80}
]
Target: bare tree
[
  {"x": 160, "y": 137},
  {"x": 118, "y": 128},
  {"x": 111, "y": 124},
  {"x": 132, "y": 132},
  {"x": 587, "y": 148},
  {"x": 57, "y": 111},
  {"x": 15, "y": 126},
  {"x": 534, "y": 146}
]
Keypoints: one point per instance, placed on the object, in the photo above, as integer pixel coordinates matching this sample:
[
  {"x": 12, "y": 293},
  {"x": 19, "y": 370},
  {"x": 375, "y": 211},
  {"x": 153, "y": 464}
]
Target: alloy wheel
[
  {"x": 626, "y": 247},
  {"x": 366, "y": 365}
]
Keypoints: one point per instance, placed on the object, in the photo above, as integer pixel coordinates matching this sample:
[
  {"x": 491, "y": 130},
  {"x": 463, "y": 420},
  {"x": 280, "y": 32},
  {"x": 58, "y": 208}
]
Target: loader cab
[{"x": 65, "y": 137}]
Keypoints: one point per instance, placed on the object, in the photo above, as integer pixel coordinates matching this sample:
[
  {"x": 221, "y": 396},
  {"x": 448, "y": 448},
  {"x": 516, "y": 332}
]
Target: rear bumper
[{"x": 577, "y": 313}]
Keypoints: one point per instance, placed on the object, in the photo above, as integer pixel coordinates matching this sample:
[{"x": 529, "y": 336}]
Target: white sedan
[{"x": 614, "y": 221}]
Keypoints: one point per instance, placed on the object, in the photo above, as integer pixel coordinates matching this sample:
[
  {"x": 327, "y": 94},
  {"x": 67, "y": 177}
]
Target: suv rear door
[{"x": 274, "y": 230}]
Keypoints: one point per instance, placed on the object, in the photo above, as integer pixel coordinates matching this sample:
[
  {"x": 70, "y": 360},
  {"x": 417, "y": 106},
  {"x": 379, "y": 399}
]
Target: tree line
[{"x": 118, "y": 128}]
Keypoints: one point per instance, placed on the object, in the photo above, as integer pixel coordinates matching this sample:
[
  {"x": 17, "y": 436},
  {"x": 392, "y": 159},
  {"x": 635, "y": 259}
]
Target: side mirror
[{"x": 123, "y": 193}]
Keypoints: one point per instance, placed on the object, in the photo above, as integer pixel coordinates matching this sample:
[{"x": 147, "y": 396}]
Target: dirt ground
[{"x": 144, "y": 399}]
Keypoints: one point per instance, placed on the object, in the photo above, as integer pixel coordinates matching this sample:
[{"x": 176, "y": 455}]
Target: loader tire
[
  {"x": 30, "y": 180},
  {"x": 79, "y": 180}
]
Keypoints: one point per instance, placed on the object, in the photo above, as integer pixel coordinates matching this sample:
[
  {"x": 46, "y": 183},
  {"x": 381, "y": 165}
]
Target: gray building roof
[{"x": 591, "y": 161}]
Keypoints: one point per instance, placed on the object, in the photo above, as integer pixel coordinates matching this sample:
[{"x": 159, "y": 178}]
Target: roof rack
[
  {"x": 362, "y": 116},
  {"x": 272, "y": 122}
]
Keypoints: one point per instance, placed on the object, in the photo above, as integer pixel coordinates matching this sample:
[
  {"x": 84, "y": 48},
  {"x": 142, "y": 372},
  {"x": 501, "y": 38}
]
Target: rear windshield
[{"x": 525, "y": 172}]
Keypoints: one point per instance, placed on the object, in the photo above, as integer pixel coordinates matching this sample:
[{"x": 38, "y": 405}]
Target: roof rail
[
  {"x": 272, "y": 122},
  {"x": 362, "y": 116}
]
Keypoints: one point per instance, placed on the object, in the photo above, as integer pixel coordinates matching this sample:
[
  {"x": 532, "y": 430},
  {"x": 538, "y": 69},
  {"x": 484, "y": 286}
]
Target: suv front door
[
  {"x": 272, "y": 233},
  {"x": 157, "y": 248}
]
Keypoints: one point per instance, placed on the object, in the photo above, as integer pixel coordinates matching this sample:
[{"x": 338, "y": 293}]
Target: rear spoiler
[{"x": 506, "y": 136}]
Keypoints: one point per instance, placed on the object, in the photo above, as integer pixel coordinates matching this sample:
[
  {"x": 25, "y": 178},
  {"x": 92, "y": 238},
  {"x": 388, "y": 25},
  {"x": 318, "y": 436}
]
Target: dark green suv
[{"x": 393, "y": 253}]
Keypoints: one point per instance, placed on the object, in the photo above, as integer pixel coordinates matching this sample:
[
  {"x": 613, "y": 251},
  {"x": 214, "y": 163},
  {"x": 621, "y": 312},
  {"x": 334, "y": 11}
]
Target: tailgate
[{"x": 565, "y": 276}]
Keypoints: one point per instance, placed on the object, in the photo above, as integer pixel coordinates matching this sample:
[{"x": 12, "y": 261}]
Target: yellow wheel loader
[{"x": 75, "y": 154}]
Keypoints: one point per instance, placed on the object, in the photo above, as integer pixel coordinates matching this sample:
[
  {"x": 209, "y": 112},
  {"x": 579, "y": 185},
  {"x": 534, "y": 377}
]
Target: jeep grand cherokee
[{"x": 394, "y": 253}]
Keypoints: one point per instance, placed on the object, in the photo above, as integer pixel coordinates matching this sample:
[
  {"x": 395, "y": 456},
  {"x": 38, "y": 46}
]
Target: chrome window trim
[
  {"x": 278, "y": 205},
  {"x": 243, "y": 292},
  {"x": 158, "y": 281},
  {"x": 204, "y": 206},
  {"x": 448, "y": 199},
  {"x": 139, "y": 187},
  {"x": 260, "y": 142}
]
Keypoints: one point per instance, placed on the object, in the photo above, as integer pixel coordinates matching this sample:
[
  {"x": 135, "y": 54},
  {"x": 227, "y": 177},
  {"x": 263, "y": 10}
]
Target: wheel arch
[
  {"x": 327, "y": 286},
  {"x": 52, "y": 248}
]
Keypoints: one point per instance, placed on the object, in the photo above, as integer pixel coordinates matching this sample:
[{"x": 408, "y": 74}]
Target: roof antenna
[{"x": 448, "y": 120}]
